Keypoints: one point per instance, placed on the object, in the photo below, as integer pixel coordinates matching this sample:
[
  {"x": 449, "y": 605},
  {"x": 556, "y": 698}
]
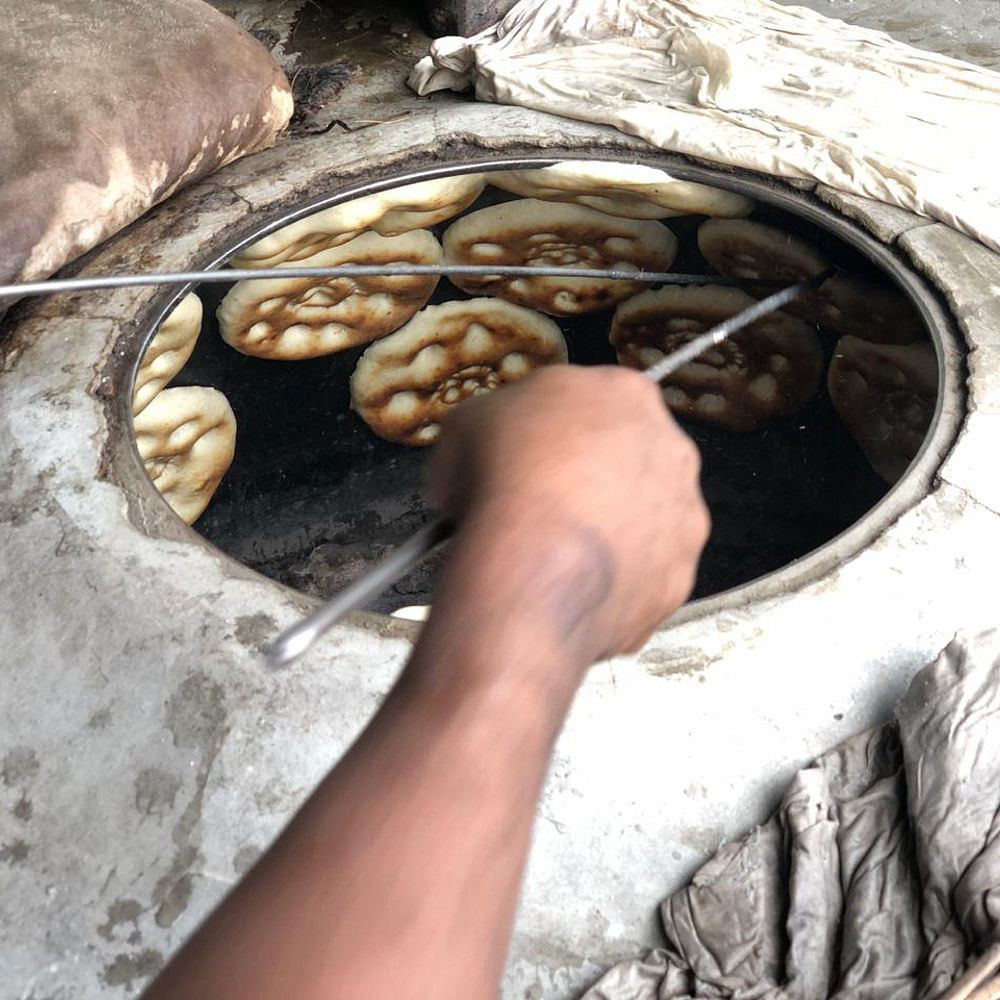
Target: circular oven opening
[{"x": 802, "y": 429}]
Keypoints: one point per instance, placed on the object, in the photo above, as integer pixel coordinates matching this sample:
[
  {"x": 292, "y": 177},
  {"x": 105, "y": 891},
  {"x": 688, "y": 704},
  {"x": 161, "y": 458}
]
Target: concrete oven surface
[{"x": 145, "y": 757}]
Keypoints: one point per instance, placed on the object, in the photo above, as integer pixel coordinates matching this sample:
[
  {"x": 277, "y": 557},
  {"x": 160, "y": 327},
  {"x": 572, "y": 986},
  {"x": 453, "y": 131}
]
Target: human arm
[{"x": 579, "y": 527}]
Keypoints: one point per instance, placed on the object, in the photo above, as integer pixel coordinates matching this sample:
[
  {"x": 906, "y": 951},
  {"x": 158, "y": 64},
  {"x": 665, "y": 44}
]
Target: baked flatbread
[
  {"x": 413, "y": 612},
  {"x": 405, "y": 384},
  {"x": 530, "y": 232},
  {"x": 860, "y": 307},
  {"x": 628, "y": 190},
  {"x": 845, "y": 304},
  {"x": 168, "y": 351},
  {"x": 760, "y": 375},
  {"x": 296, "y": 318},
  {"x": 388, "y": 213},
  {"x": 186, "y": 437},
  {"x": 885, "y": 394},
  {"x": 739, "y": 248}
]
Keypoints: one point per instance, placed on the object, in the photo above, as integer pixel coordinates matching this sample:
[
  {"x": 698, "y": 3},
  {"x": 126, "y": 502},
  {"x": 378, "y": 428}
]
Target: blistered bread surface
[
  {"x": 388, "y": 213},
  {"x": 405, "y": 384},
  {"x": 528, "y": 232},
  {"x": 168, "y": 351},
  {"x": 628, "y": 190},
  {"x": 864, "y": 307},
  {"x": 885, "y": 394},
  {"x": 186, "y": 437},
  {"x": 759, "y": 375},
  {"x": 297, "y": 318}
]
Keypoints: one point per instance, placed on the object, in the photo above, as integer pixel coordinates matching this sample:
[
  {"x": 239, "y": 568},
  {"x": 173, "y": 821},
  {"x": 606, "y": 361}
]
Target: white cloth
[{"x": 750, "y": 83}]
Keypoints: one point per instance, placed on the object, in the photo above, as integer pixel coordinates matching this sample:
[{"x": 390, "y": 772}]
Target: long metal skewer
[
  {"x": 296, "y": 640},
  {"x": 54, "y": 286}
]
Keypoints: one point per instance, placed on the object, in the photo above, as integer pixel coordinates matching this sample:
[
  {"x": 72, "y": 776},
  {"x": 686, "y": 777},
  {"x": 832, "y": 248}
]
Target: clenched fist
[{"x": 577, "y": 495}]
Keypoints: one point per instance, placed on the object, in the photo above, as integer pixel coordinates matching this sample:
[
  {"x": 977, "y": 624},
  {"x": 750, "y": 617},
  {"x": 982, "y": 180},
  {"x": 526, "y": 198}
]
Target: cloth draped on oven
[
  {"x": 109, "y": 106},
  {"x": 878, "y": 878},
  {"x": 752, "y": 84}
]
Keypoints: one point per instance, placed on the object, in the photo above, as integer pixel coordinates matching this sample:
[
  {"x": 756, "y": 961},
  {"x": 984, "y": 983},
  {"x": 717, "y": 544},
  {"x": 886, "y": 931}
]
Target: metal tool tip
[{"x": 287, "y": 647}]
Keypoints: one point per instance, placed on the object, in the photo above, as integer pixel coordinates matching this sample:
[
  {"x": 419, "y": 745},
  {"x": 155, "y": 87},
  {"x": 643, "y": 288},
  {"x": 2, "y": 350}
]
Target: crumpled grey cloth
[
  {"x": 751, "y": 83},
  {"x": 878, "y": 878}
]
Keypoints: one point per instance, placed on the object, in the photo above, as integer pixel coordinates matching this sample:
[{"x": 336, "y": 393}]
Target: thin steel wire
[{"x": 56, "y": 286}]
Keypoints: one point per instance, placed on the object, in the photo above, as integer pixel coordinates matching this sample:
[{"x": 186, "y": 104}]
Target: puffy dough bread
[
  {"x": 629, "y": 190},
  {"x": 530, "y": 232},
  {"x": 740, "y": 248},
  {"x": 168, "y": 351},
  {"x": 845, "y": 304},
  {"x": 296, "y": 318},
  {"x": 761, "y": 374},
  {"x": 413, "y": 612},
  {"x": 388, "y": 213},
  {"x": 186, "y": 437},
  {"x": 885, "y": 394},
  {"x": 405, "y": 384},
  {"x": 861, "y": 307}
]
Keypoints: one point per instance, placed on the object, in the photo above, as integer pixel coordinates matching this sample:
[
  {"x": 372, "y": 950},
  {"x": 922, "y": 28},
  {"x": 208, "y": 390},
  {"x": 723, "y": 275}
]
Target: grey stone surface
[
  {"x": 347, "y": 60},
  {"x": 962, "y": 29},
  {"x": 145, "y": 758},
  {"x": 968, "y": 276},
  {"x": 886, "y": 222},
  {"x": 471, "y": 16},
  {"x": 968, "y": 467}
]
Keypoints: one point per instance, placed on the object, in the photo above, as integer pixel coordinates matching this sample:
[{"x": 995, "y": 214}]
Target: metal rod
[
  {"x": 293, "y": 642},
  {"x": 985, "y": 969},
  {"x": 717, "y": 334},
  {"x": 55, "y": 286}
]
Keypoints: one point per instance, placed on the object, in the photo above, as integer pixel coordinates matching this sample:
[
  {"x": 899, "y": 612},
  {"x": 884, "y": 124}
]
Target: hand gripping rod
[{"x": 292, "y": 643}]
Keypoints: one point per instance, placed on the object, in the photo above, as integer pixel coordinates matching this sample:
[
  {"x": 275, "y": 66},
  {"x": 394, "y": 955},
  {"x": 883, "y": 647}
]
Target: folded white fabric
[{"x": 750, "y": 83}]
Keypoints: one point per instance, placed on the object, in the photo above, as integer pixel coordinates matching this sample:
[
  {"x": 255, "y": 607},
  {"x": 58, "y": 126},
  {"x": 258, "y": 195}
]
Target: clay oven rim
[{"x": 913, "y": 486}]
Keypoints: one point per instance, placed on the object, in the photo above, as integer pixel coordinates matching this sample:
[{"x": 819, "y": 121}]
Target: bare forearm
[
  {"x": 580, "y": 528},
  {"x": 400, "y": 875}
]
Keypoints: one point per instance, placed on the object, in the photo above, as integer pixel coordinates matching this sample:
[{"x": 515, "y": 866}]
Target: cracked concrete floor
[{"x": 144, "y": 762}]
